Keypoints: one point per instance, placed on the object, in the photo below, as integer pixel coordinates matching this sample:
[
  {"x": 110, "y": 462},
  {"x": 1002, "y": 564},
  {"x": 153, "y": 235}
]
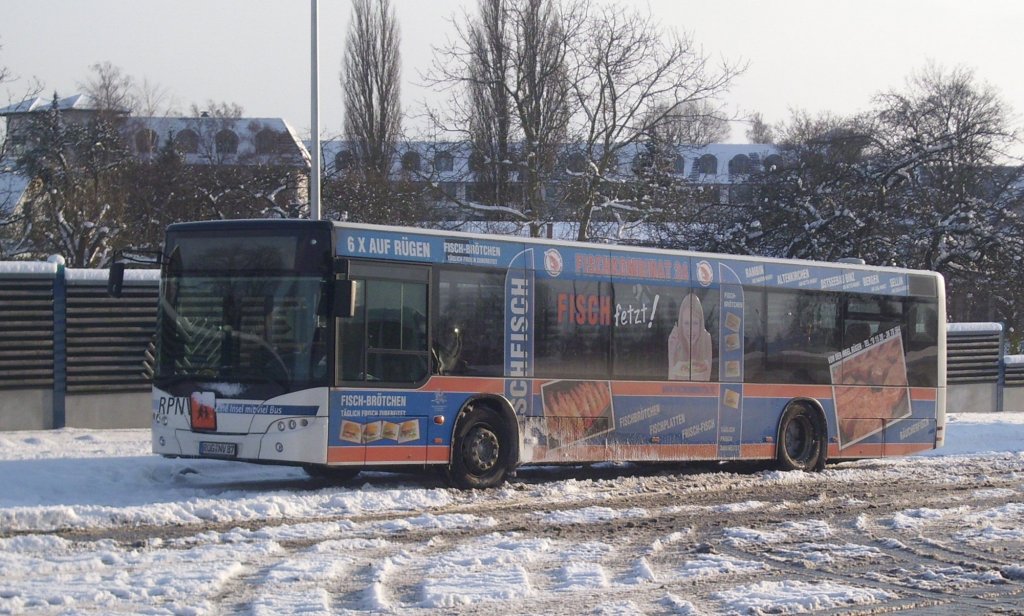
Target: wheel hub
[{"x": 482, "y": 450}]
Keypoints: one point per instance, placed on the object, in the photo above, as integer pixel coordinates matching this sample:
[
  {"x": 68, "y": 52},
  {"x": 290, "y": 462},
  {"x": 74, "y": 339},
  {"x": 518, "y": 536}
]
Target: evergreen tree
[{"x": 76, "y": 200}]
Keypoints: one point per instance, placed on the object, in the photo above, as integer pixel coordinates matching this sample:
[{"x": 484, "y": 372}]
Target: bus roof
[
  {"x": 536, "y": 241},
  {"x": 594, "y": 261}
]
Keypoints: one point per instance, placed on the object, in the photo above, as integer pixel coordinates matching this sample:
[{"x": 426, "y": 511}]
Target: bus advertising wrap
[
  {"x": 518, "y": 319},
  {"x": 610, "y": 354},
  {"x": 731, "y": 360},
  {"x": 599, "y": 263}
]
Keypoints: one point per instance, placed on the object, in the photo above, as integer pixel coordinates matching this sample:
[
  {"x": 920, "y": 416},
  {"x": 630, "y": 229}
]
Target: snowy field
[{"x": 92, "y": 523}]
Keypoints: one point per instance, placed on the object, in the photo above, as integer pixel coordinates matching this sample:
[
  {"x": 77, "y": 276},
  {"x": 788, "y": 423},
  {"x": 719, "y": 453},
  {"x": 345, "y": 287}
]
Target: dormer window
[
  {"x": 226, "y": 141},
  {"x": 186, "y": 141},
  {"x": 145, "y": 141},
  {"x": 740, "y": 165},
  {"x": 344, "y": 160},
  {"x": 411, "y": 161},
  {"x": 576, "y": 162},
  {"x": 679, "y": 165},
  {"x": 443, "y": 162},
  {"x": 268, "y": 141},
  {"x": 707, "y": 165}
]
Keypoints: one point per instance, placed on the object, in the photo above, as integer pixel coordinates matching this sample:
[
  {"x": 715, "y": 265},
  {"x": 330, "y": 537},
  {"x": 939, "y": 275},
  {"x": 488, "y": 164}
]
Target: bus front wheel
[
  {"x": 481, "y": 452},
  {"x": 802, "y": 440}
]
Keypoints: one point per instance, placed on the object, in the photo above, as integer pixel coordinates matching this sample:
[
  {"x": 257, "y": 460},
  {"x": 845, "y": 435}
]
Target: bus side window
[
  {"x": 753, "y": 334},
  {"x": 351, "y": 339},
  {"x": 803, "y": 330},
  {"x": 573, "y": 325},
  {"x": 922, "y": 339},
  {"x": 387, "y": 338},
  {"x": 856, "y": 331},
  {"x": 469, "y": 326}
]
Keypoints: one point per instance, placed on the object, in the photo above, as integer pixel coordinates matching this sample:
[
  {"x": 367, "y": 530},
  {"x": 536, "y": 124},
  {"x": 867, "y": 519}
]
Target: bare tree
[
  {"x": 694, "y": 123},
  {"x": 541, "y": 93},
  {"x": 370, "y": 81},
  {"x": 943, "y": 142},
  {"x": 760, "y": 131},
  {"x": 5, "y": 73},
  {"x": 511, "y": 61},
  {"x": 216, "y": 109},
  {"x": 111, "y": 88},
  {"x": 490, "y": 108},
  {"x": 153, "y": 99},
  {"x": 15, "y": 227},
  {"x": 819, "y": 204},
  {"x": 628, "y": 77},
  {"x": 5, "y": 76}
]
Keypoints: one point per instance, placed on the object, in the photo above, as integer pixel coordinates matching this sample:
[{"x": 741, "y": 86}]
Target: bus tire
[
  {"x": 339, "y": 474},
  {"x": 481, "y": 451},
  {"x": 803, "y": 441}
]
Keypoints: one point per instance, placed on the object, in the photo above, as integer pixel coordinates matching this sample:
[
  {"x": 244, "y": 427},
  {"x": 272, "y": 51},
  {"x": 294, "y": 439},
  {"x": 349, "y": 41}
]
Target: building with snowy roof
[
  {"x": 455, "y": 169},
  {"x": 241, "y": 142},
  {"x": 451, "y": 168},
  {"x": 717, "y": 163}
]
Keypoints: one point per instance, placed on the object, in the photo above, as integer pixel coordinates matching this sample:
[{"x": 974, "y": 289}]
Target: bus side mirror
[
  {"x": 115, "y": 279},
  {"x": 345, "y": 298}
]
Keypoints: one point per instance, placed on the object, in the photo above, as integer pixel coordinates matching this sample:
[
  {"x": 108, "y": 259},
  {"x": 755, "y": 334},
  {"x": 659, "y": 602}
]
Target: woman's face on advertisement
[{"x": 688, "y": 322}]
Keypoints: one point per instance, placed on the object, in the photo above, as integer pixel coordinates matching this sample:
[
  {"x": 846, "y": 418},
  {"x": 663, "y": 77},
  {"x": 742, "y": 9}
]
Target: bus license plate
[{"x": 218, "y": 450}]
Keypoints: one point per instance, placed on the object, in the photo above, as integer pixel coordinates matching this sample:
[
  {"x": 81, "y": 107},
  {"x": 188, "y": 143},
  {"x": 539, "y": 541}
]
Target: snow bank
[{"x": 974, "y": 328}]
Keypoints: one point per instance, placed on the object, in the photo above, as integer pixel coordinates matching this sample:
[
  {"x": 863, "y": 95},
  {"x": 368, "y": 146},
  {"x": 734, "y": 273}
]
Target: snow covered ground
[{"x": 91, "y": 522}]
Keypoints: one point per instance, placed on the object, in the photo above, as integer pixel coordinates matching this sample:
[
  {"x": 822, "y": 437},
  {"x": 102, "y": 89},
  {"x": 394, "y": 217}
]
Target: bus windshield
[
  {"x": 248, "y": 330},
  {"x": 245, "y": 308}
]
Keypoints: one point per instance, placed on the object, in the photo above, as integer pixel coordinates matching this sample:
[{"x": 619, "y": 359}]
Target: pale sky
[{"x": 816, "y": 55}]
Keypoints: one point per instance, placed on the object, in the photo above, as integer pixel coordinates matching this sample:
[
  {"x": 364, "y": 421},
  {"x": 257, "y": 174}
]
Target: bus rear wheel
[
  {"x": 802, "y": 440},
  {"x": 481, "y": 454}
]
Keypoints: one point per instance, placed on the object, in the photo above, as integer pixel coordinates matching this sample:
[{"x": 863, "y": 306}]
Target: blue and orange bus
[{"x": 341, "y": 347}]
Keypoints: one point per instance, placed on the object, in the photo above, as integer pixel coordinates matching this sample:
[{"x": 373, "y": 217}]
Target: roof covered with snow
[
  {"x": 207, "y": 140},
  {"x": 201, "y": 141},
  {"x": 81, "y": 102}
]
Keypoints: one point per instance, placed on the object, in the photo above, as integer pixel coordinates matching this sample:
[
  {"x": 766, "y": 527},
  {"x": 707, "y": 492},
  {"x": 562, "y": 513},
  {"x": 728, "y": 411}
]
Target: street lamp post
[{"x": 314, "y": 119}]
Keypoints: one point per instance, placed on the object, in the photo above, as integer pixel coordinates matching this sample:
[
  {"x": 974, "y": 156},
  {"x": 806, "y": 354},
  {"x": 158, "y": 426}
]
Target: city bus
[{"x": 340, "y": 347}]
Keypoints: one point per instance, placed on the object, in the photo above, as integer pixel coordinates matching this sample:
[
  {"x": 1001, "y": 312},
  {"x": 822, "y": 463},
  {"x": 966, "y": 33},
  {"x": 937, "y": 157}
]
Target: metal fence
[
  {"x": 26, "y": 325},
  {"x": 69, "y": 353},
  {"x": 107, "y": 337},
  {"x": 974, "y": 367}
]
